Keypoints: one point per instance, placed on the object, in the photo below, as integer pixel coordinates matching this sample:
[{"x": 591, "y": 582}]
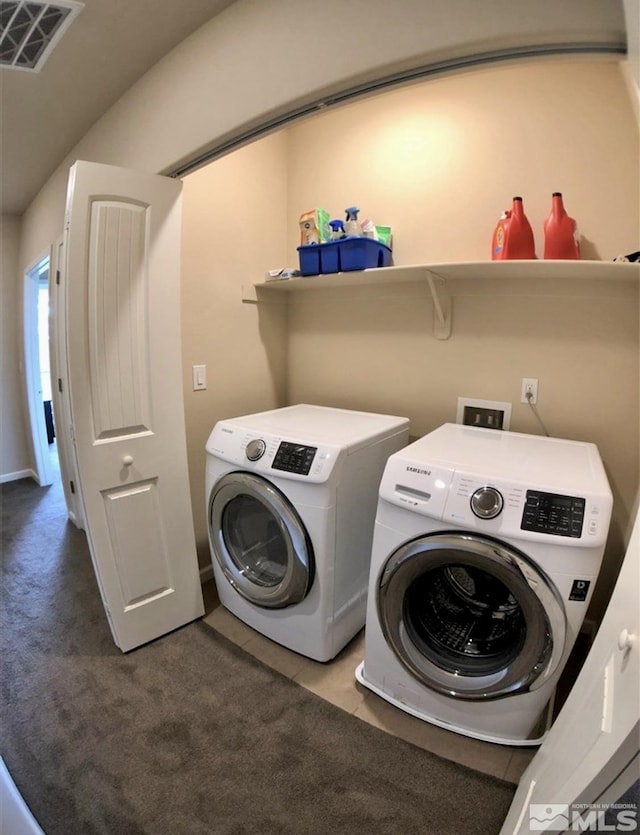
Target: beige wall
[
  {"x": 257, "y": 61},
  {"x": 215, "y": 85},
  {"x": 15, "y": 457},
  {"x": 234, "y": 217},
  {"x": 439, "y": 162}
]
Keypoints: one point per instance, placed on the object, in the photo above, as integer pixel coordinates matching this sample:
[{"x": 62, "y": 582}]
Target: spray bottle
[{"x": 351, "y": 224}]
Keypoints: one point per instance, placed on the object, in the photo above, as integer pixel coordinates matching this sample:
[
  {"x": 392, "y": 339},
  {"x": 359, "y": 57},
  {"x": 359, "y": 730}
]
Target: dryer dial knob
[
  {"x": 487, "y": 503},
  {"x": 255, "y": 449}
]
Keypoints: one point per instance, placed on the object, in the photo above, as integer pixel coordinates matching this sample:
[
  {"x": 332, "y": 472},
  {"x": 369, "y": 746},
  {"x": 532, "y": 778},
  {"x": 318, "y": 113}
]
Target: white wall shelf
[{"x": 438, "y": 276}]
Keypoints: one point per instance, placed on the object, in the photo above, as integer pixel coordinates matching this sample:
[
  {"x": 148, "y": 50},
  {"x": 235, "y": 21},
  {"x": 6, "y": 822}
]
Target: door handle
[
  {"x": 127, "y": 460},
  {"x": 626, "y": 641}
]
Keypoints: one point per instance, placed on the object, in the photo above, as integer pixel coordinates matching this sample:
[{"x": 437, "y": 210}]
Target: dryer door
[
  {"x": 470, "y": 617},
  {"x": 259, "y": 541}
]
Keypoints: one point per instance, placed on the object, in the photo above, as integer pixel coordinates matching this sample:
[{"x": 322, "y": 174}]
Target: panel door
[
  {"x": 125, "y": 384},
  {"x": 60, "y": 384},
  {"x": 591, "y": 753}
]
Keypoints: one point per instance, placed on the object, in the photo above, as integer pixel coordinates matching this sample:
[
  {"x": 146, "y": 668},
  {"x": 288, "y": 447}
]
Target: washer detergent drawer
[
  {"x": 470, "y": 617},
  {"x": 423, "y": 489},
  {"x": 259, "y": 541}
]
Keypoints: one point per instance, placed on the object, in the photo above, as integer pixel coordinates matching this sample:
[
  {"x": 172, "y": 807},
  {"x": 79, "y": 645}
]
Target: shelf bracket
[
  {"x": 255, "y": 294},
  {"x": 441, "y": 305},
  {"x": 249, "y": 294}
]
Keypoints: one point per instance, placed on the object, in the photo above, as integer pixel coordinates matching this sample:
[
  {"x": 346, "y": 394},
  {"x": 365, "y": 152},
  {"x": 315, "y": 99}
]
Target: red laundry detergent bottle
[
  {"x": 513, "y": 235},
  {"x": 560, "y": 232}
]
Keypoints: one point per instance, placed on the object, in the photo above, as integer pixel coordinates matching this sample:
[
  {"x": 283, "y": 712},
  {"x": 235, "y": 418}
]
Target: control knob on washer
[
  {"x": 255, "y": 449},
  {"x": 487, "y": 502}
]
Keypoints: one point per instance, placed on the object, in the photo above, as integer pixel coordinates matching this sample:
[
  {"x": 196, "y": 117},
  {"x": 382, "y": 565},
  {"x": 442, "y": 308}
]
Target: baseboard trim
[
  {"x": 18, "y": 475},
  {"x": 206, "y": 574}
]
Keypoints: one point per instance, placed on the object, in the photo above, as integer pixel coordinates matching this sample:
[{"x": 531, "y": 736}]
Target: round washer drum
[
  {"x": 259, "y": 541},
  {"x": 470, "y": 617}
]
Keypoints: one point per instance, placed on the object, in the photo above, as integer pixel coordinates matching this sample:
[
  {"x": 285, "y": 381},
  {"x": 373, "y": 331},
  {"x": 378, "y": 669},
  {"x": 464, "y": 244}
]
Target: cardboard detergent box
[
  {"x": 343, "y": 255},
  {"x": 314, "y": 227}
]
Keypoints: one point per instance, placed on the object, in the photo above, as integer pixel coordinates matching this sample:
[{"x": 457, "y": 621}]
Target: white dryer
[
  {"x": 486, "y": 549},
  {"x": 291, "y": 503}
]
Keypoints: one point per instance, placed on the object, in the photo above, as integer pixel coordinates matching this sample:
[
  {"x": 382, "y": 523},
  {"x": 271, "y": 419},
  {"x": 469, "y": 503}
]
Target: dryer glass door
[
  {"x": 259, "y": 541},
  {"x": 470, "y": 617}
]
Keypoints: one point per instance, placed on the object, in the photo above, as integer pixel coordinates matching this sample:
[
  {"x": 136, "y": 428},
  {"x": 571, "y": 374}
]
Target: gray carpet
[{"x": 188, "y": 734}]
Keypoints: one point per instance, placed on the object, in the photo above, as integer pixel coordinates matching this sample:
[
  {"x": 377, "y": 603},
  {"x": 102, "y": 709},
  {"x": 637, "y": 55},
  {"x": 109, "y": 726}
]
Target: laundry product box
[
  {"x": 314, "y": 227},
  {"x": 343, "y": 256}
]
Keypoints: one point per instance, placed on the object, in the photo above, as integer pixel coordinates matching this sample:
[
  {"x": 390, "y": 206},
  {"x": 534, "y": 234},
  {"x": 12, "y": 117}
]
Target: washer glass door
[
  {"x": 470, "y": 617},
  {"x": 259, "y": 541}
]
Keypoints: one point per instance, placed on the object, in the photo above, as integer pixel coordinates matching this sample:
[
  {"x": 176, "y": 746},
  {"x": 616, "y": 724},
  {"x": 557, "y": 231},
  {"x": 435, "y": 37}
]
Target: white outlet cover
[{"x": 498, "y": 405}]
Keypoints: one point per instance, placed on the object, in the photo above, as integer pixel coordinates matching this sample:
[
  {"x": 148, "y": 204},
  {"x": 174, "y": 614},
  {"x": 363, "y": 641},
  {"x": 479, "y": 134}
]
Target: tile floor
[{"x": 336, "y": 683}]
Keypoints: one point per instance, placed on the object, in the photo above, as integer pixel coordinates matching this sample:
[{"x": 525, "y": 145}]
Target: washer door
[
  {"x": 470, "y": 617},
  {"x": 259, "y": 541}
]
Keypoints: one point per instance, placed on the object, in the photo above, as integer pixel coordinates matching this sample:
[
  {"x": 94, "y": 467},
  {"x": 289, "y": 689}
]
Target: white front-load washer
[
  {"x": 291, "y": 504},
  {"x": 486, "y": 549}
]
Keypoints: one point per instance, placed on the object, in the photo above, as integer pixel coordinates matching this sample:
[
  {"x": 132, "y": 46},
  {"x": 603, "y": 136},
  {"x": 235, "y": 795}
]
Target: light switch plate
[{"x": 199, "y": 377}]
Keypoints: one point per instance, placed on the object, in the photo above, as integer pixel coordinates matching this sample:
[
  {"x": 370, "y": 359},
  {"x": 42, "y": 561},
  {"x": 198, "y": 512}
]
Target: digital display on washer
[
  {"x": 294, "y": 458},
  {"x": 553, "y": 514}
]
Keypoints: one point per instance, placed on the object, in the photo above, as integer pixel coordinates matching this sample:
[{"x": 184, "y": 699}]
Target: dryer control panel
[
  {"x": 294, "y": 458},
  {"x": 272, "y": 454}
]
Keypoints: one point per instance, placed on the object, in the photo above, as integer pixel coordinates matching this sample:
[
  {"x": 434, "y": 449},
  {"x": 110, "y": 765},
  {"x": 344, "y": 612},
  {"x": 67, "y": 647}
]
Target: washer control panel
[
  {"x": 504, "y": 508},
  {"x": 294, "y": 458},
  {"x": 552, "y": 513}
]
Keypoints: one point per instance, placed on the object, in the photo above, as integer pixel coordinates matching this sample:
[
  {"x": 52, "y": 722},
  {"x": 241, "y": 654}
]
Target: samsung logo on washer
[{"x": 417, "y": 470}]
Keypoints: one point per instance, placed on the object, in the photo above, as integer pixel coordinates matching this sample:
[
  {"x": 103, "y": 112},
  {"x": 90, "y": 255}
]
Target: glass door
[
  {"x": 470, "y": 617},
  {"x": 259, "y": 541}
]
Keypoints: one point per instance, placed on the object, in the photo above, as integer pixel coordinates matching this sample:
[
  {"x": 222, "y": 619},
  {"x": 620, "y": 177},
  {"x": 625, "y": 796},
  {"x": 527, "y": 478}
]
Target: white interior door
[
  {"x": 33, "y": 378},
  {"x": 60, "y": 384},
  {"x": 125, "y": 383},
  {"x": 591, "y": 753}
]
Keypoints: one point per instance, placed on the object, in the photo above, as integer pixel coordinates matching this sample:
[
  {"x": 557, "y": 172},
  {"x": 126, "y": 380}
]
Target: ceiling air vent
[{"x": 30, "y": 30}]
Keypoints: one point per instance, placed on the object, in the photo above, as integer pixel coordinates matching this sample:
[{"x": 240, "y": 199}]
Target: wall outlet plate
[
  {"x": 529, "y": 386},
  {"x": 489, "y": 414}
]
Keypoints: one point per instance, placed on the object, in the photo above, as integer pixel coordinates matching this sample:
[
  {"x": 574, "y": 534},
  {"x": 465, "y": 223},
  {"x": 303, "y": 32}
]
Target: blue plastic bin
[
  {"x": 343, "y": 256},
  {"x": 309, "y": 259},
  {"x": 363, "y": 254},
  {"x": 330, "y": 257}
]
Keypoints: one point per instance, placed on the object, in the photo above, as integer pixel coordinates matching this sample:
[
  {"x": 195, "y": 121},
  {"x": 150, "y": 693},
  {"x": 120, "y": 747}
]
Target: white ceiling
[{"x": 106, "y": 49}]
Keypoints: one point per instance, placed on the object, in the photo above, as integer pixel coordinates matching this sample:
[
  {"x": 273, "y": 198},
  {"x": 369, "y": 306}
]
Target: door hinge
[
  {"x": 57, "y": 276},
  {"x": 60, "y": 385},
  {"x": 73, "y": 487}
]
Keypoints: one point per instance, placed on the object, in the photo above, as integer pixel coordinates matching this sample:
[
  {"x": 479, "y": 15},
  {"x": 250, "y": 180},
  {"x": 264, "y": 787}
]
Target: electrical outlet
[
  {"x": 529, "y": 386},
  {"x": 490, "y": 414}
]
